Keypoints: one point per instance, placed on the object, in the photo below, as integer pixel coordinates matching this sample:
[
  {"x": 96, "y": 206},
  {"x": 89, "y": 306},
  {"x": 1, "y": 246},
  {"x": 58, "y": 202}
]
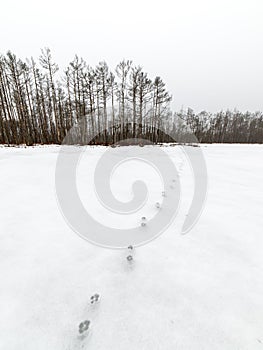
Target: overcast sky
[{"x": 209, "y": 52}]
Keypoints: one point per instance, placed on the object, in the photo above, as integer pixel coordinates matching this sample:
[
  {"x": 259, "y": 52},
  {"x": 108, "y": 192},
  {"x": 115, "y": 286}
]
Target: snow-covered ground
[{"x": 200, "y": 291}]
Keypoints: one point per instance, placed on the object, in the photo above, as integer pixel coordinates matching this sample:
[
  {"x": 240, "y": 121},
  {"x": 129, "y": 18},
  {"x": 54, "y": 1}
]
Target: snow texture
[{"x": 200, "y": 291}]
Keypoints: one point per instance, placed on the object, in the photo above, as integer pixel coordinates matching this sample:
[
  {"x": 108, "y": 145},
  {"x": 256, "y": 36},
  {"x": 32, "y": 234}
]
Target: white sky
[{"x": 209, "y": 52}]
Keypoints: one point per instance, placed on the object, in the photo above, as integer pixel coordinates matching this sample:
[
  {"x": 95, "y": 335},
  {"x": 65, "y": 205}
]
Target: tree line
[
  {"x": 39, "y": 106},
  {"x": 222, "y": 127}
]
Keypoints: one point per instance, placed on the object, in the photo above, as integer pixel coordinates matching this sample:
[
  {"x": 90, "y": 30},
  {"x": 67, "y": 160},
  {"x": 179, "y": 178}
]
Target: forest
[{"x": 39, "y": 105}]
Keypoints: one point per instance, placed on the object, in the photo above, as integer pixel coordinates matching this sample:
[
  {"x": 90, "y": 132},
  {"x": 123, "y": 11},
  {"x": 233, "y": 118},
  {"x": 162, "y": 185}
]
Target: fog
[{"x": 209, "y": 53}]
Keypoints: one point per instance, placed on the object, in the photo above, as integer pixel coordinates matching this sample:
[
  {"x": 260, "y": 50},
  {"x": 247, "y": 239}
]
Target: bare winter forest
[{"x": 38, "y": 105}]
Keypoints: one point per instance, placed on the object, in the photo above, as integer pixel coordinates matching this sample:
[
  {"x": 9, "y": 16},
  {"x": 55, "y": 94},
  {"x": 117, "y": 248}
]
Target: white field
[{"x": 200, "y": 291}]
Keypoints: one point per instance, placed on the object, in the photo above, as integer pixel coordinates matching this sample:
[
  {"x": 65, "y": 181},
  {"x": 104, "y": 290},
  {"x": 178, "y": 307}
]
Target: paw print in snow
[
  {"x": 94, "y": 298},
  {"x": 143, "y": 223},
  {"x": 84, "y": 326}
]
